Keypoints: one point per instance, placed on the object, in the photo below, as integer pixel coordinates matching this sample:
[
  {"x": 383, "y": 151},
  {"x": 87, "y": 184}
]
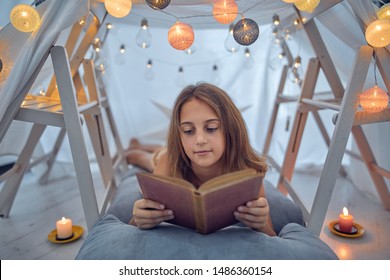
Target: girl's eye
[
  {"x": 211, "y": 129},
  {"x": 188, "y": 131}
]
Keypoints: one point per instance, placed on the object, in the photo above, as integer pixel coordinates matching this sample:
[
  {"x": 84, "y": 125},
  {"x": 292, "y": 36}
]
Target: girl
[{"x": 207, "y": 137}]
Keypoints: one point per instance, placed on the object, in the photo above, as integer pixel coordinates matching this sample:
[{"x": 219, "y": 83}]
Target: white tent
[{"x": 141, "y": 103}]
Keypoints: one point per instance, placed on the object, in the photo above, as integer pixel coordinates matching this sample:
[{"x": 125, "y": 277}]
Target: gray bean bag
[{"x": 113, "y": 238}]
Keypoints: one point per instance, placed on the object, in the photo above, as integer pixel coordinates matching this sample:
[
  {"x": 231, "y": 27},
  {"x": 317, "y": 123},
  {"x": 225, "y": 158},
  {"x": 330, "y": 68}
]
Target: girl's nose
[{"x": 201, "y": 138}]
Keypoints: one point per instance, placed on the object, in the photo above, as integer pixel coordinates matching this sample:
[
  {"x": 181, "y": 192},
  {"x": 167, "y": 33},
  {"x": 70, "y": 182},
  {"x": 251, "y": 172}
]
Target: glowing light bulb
[
  {"x": 306, "y": 5},
  {"x": 230, "y": 44},
  {"x": 374, "y": 100},
  {"x": 144, "y": 39},
  {"x": 249, "y": 61},
  {"x": 384, "y": 12},
  {"x": 41, "y": 90},
  {"x": 97, "y": 45},
  {"x": 149, "y": 73},
  {"x": 25, "y": 18},
  {"x": 378, "y": 33},
  {"x": 181, "y": 36},
  {"x": 101, "y": 63},
  {"x": 246, "y": 31},
  {"x": 118, "y": 8},
  {"x": 296, "y": 72},
  {"x": 275, "y": 20},
  {"x": 191, "y": 49},
  {"x": 158, "y": 4},
  {"x": 225, "y": 11},
  {"x": 120, "y": 57}
]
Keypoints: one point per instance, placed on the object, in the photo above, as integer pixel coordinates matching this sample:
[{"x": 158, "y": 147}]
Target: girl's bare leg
[
  {"x": 140, "y": 158},
  {"x": 136, "y": 145}
]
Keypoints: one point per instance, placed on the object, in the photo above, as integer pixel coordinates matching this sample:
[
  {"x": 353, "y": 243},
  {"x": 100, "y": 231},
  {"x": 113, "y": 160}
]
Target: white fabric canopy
[{"x": 140, "y": 105}]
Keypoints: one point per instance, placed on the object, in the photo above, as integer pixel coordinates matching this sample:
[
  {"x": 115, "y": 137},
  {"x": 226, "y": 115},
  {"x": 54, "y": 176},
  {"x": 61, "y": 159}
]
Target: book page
[
  {"x": 175, "y": 197},
  {"x": 220, "y": 204},
  {"x": 227, "y": 179}
]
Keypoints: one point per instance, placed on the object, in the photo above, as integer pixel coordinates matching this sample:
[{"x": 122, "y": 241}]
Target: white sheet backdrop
[{"x": 134, "y": 98}]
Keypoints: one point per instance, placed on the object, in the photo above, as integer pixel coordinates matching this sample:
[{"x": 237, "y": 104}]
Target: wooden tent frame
[
  {"x": 64, "y": 109},
  {"x": 347, "y": 121}
]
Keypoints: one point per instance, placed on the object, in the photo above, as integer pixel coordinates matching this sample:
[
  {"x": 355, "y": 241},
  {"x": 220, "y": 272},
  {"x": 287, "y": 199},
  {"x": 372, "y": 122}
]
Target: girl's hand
[
  {"x": 148, "y": 214},
  {"x": 255, "y": 214}
]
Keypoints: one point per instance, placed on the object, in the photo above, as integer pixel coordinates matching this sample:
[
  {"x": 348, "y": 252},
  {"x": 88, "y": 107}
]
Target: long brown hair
[{"x": 238, "y": 155}]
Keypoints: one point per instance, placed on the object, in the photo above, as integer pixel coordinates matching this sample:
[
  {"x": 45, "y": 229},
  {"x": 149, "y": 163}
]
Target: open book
[{"x": 208, "y": 208}]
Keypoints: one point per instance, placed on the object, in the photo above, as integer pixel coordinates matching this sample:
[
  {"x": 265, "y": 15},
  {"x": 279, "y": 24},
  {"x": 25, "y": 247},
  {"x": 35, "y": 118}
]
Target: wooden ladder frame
[{"x": 348, "y": 120}]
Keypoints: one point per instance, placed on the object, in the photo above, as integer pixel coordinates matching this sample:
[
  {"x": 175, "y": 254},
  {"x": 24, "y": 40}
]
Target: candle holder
[
  {"x": 356, "y": 231},
  {"x": 77, "y": 231}
]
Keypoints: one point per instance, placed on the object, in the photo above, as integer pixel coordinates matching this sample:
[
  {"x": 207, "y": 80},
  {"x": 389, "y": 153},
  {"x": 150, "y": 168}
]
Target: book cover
[{"x": 208, "y": 208}]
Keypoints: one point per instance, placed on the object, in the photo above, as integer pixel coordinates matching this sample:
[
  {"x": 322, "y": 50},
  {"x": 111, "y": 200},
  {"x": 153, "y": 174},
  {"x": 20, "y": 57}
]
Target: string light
[
  {"x": 384, "y": 12},
  {"x": 231, "y": 44},
  {"x": 378, "y": 33},
  {"x": 225, "y": 11},
  {"x": 101, "y": 63},
  {"x": 246, "y": 31},
  {"x": 296, "y": 72},
  {"x": 249, "y": 61},
  {"x": 275, "y": 20},
  {"x": 306, "y": 5},
  {"x": 158, "y": 4},
  {"x": 122, "y": 49},
  {"x": 25, "y": 18},
  {"x": 149, "y": 73},
  {"x": 144, "y": 39},
  {"x": 120, "y": 57},
  {"x": 97, "y": 45},
  {"x": 375, "y": 99},
  {"x": 118, "y": 8},
  {"x": 191, "y": 49},
  {"x": 181, "y": 36}
]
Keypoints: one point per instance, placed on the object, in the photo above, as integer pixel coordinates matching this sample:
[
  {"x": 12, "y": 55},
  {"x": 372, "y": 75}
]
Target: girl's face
[{"x": 201, "y": 135}]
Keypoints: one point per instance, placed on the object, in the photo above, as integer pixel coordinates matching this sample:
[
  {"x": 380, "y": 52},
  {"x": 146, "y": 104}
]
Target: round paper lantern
[
  {"x": 158, "y": 4},
  {"x": 378, "y": 33},
  {"x": 25, "y": 18},
  {"x": 384, "y": 12},
  {"x": 225, "y": 11},
  {"x": 306, "y": 5},
  {"x": 246, "y": 31},
  {"x": 118, "y": 8},
  {"x": 181, "y": 36},
  {"x": 374, "y": 100}
]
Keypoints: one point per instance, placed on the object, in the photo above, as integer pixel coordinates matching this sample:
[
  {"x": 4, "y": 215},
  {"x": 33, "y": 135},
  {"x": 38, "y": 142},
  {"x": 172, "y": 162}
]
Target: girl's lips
[{"x": 200, "y": 153}]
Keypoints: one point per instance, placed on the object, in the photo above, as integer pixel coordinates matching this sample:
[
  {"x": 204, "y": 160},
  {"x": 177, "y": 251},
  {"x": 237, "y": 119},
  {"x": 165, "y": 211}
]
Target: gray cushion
[{"x": 113, "y": 238}]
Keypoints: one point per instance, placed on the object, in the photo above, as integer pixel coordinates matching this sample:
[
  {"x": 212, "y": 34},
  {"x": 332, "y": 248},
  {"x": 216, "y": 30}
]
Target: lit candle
[
  {"x": 345, "y": 221},
  {"x": 64, "y": 228}
]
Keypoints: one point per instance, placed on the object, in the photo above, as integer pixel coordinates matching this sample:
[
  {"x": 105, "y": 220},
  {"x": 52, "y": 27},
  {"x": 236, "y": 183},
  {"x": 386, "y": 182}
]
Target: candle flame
[
  {"x": 63, "y": 219},
  {"x": 345, "y": 211}
]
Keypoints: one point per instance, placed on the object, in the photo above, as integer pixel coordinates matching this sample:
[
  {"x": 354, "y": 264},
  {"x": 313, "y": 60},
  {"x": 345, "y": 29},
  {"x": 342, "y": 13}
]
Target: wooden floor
[{"x": 37, "y": 207}]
